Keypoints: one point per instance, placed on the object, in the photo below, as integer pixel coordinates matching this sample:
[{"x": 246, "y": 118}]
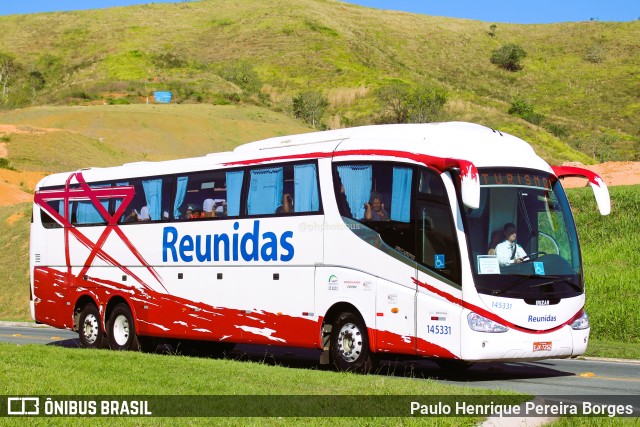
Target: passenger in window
[
  {"x": 509, "y": 252},
  {"x": 143, "y": 215},
  {"x": 374, "y": 210},
  {"x": 212, "y": 208},
  {"x": 208, "y": 208},
  {"x": 192, "y": 213},
  {"x": 287, "y": 204}
]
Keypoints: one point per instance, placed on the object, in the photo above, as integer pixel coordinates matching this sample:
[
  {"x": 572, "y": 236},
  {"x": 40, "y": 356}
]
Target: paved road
[{"x": 570, "y": 377}]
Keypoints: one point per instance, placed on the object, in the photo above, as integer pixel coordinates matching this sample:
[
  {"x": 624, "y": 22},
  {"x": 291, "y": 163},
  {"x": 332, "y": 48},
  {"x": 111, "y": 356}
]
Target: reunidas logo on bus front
[{"x": 250, "y": 246}]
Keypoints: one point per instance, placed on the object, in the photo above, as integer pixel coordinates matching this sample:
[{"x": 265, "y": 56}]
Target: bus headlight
[
  {"x": 581, "y": 323},
  {"x": 482, "y": 324}
]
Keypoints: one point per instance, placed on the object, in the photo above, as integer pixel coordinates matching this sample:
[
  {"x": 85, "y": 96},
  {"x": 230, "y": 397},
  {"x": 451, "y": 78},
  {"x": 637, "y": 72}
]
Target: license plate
[{"x": 542, "y": 346}]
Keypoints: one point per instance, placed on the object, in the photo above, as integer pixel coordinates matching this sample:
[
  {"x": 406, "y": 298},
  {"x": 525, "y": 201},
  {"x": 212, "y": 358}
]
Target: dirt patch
[
  {"x": 613, "y": 173},
  {"x": 3, "y": 150},
  {"x": 27, "y": 180},
  {"x": 15, "y": 218},
  {"x": 15, "y": 187},
  {"x": 23, "y": 129},
  {"x": 12, "y": 195}
]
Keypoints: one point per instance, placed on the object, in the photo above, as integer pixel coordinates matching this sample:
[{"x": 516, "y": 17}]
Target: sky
[{"x": 498, "y": 11}]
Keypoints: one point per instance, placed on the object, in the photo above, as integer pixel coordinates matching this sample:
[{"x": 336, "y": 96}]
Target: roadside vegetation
[
  {"x": 612, "y": 264},
  {"x": 52, "y": 370}
]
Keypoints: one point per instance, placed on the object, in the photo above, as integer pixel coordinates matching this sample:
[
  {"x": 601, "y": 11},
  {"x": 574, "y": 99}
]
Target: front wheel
[
  {"x": 349, "y": 348},
  {"x": 121, "y": 329},
  {"x": 89, "y": 329}
]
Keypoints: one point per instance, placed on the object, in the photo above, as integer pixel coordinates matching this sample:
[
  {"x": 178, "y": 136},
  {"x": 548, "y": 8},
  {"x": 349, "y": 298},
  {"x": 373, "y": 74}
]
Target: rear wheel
[
  {"x": 349, "y": 347},
  {"x": 89, "y": 327},
  {"x": 121, "y": 330}
]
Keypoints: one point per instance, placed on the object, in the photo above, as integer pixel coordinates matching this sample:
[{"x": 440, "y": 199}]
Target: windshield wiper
[
  {"x": 523, "y": 277},
  {"x": 557, "y": 280}
]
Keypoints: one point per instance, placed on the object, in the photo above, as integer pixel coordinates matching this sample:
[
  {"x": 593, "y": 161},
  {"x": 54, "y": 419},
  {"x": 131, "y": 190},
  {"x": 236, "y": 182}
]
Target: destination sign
[{"x": 519, "y": 179}]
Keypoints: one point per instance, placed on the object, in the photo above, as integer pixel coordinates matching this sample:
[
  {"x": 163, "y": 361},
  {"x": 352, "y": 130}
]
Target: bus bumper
[{"x": 516, "y": 345}]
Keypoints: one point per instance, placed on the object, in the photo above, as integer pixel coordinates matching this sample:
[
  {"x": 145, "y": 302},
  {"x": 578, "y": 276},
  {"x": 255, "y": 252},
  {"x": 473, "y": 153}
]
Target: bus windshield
[{"x": 522, "y": 238}]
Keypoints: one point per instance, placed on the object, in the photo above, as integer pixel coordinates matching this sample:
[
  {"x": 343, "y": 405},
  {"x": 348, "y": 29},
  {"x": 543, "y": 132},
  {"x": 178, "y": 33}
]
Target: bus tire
[
  {"x": 349, "y": 345},
  {"x": 121, "y": 330},
  {"x": 89, "y": 327}
]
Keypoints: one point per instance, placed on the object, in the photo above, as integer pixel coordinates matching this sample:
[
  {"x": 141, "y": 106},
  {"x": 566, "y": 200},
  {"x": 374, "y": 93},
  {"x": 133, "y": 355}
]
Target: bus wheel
[
  {"x": 349, "y": 347},
  {"x": 121, "y": 330},
  {"x": 89, "y": 330}
]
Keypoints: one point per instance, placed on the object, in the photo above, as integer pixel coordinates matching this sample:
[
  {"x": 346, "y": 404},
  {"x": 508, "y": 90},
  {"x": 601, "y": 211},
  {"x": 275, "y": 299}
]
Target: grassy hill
[
  {"x": 67, "y": 138},
  {"x": 581, "y": 76}
]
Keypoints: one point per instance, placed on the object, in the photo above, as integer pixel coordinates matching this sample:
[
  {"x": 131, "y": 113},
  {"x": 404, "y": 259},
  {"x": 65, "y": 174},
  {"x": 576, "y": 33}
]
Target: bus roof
[{"x": 458, "y": 140}]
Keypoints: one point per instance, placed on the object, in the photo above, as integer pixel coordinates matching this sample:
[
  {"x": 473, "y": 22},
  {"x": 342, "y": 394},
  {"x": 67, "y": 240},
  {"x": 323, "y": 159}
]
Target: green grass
[
  {"x": 613, "y": 349},
  {"x": 327, "y": 45},
  {"x": 47, "y": 370},
  {"x": 14, "y": 261},
  {"x": 611, "y": 256},
  {"x": 108, "y": 135}
]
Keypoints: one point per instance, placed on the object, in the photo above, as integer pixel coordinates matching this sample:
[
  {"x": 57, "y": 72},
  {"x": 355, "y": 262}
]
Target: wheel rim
[
  {"x": 90, "y": 329},
  {"x": 350, "y": 342},
  {"x": 121, "y": 330}
]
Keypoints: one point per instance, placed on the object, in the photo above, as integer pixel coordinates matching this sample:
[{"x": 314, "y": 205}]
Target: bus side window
[
  {"x": 265, "y": 190},
  {"x": 84, "y": 212},
  {"x": 357, "y": 181},
  {"x": 305, "y": 182},
  {"x": 282, "y": 190},
  {"x": 150, "y": 201},
  {"x": 46, "y": 219},
  {"x": 204, "y": 195}
]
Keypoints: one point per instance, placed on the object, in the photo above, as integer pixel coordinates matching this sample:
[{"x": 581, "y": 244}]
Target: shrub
[
  {"x": 310, "y": 106},
  {"x": 524, "y": 110},
  {"x": 4, "y": 164},
  {"x": 404, "y": 104},
  {"x": 426, "y": 104},
  {"x": 242, "y": 75},
  {"x": 118, "y": 101},
  {"x": 509, "y": 57},
  {"x": 595, "y": 53}
]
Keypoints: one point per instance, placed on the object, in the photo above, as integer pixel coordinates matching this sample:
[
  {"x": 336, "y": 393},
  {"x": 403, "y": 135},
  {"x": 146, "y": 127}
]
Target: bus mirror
[
  {"x": 600, "y": 190},
  {"x": 470, "y": 186}
]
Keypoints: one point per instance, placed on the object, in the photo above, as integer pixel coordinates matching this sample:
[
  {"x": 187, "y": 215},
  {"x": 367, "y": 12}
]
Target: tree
[
  {"x": 310, "y": 106},
  {"x": 509, "y": 57},
  {"x": 395, "y": 106},
  {"x": 426, "y": 104},
  {"x": 403, "y": 104},
  {"x": 8, "y": 68},
  {"x": 35, "y": 82}
]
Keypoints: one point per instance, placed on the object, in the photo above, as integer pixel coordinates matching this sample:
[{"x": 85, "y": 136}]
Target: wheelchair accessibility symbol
[
  {"x": 538, "y": 268},
  {"x": 439, "y": 261}
]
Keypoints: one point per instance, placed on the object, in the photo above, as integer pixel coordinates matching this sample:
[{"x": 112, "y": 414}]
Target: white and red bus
[{"x": 361, "y": 242}]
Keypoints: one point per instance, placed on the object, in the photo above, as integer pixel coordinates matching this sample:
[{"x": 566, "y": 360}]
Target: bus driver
[{"x": 509, "y": 252}]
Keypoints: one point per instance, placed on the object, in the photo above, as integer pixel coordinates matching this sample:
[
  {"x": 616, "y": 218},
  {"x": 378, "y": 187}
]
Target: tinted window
[
  {"x": 151, "y": 199},
  {"x": 207, "y": 195},
  {"x": 282, "y": 190}
]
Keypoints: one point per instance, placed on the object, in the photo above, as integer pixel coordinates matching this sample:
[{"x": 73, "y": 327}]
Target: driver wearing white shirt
[{"x": 509, "y": 252}]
